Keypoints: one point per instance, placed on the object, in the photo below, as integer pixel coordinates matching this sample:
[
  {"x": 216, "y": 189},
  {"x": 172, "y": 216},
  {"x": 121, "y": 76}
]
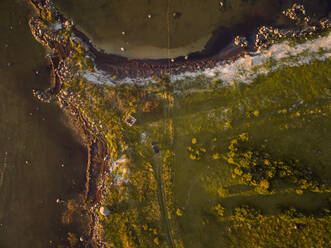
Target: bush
[
  {"x": 254, "y": 166},
  {"x": 245, "y": 213}
]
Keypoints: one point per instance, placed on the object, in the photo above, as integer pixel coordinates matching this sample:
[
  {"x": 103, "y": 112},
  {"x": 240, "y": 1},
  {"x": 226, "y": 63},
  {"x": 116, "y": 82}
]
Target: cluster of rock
[
  {"x": 54, "y": 31},
  {"x": 65, "y": 97},
  {"x": 240, "y": 41},
  {"x": 48, "y": 33},
  {"x": 64, "y": 71},
  {"x": 325, "y": 23},
  {"x": 265, "y": 35},
  {"x": 44, "y": 96},
  {"x": 44, "y": 4},
  {"x": 71, "y": 102},
  {"x": 268, "y": 35},
  {"x": 41, "y": 32},
  {"x": 297, "y": 13}
]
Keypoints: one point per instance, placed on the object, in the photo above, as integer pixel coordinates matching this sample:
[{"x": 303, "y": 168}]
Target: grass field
[{"x": 240, "y": 165}]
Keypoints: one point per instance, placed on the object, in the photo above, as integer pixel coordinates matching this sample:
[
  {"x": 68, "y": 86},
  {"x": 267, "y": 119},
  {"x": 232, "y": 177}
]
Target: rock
[
  {"x": 104, "y": 211},
  {"x": 176, "y": 15},
  {"x": 296, "y": 13},
  {"x": 240, "y": 41},
  {"x": 246, "y": 55}
]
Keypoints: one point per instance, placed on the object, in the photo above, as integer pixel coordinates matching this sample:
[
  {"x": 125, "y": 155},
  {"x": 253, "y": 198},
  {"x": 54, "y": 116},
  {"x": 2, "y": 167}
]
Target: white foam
[
  {"x": 57, "y": 26},
  {"x": 244, "y": 69},
  {"x": 98, "y": 77}
]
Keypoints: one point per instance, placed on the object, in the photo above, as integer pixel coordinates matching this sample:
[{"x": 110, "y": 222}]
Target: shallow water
[
  {"x": 188, "y": 31},
  {"x": 34, "y": 142}
]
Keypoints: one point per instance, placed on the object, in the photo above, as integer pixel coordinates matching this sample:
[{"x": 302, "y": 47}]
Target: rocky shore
[
  {"x": 63, "y": 32},
  {"x": 66, "y": 44},
  {"x": 95, "y": 167}
]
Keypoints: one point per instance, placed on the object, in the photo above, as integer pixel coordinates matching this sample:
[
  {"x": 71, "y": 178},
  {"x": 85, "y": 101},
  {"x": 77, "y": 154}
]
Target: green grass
[
  {"x": 286, "y": 111},
  {"x": 286, "y": 116}
]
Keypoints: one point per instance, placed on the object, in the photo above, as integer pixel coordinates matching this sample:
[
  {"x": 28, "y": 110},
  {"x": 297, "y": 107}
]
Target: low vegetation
[{"x": 233, "y": 159}]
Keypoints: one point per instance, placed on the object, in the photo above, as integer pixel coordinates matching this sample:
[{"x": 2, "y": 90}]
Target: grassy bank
[{"x": 263, "y": 145}]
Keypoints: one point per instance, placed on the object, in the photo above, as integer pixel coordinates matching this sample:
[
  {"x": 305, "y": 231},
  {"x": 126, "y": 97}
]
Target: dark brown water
[
  {"x": 183, "y": 26},
  {"x": 34, "y": 142}
]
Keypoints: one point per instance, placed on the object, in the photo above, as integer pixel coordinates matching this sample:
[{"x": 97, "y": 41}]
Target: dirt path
[{"x": 157, "y": 167}]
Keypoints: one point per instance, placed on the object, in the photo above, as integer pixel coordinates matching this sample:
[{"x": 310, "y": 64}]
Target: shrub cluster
[{"x": 256, "y": 167}]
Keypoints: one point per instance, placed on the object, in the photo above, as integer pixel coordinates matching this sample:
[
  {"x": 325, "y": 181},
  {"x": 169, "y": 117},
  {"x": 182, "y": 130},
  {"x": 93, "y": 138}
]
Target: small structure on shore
[
  {"x": 155, "y": 147},
  {"x": 130, "y": 120}
]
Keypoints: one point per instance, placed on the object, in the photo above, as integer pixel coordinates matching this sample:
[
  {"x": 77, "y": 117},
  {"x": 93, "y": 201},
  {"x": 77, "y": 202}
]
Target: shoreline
[
  {"x": 216, "y": 51},
  {"x": 118, "y": 66},
  {"x": 123, "y": 67}
]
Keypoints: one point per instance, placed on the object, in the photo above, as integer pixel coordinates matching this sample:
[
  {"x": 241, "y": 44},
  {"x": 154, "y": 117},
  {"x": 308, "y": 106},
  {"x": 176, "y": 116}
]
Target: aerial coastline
[
  {"x": 121, "y": 67},
  {"x": 72, "y": 54}
]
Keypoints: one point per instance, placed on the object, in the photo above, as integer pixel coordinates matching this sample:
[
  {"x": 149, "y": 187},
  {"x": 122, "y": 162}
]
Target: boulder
[
  {"x": 104, "y": 211},
  {"x": 240, "y": 41}
]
